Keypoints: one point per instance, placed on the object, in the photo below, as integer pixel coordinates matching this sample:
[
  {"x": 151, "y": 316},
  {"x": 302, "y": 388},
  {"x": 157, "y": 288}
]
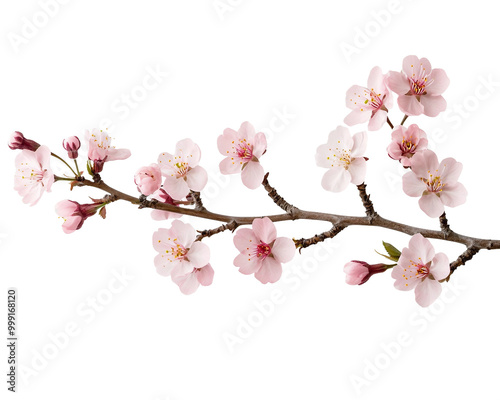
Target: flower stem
[
  {"x": 390, "y": 123},
  {"x": 404, "y": 119},
  {"x": 59, "y": 158},
  {"x": 77, "y": 169}
]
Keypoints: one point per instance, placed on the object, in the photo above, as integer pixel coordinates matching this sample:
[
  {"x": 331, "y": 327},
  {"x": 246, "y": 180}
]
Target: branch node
[{"x": 198, "y": 203}]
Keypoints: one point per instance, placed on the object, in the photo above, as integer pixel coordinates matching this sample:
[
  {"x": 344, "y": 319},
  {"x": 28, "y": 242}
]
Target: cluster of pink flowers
[{"x": 176, "y": 179}]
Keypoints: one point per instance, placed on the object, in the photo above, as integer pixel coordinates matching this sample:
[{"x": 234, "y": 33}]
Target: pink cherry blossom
[
  {"x": 33, "y": 174},
  {"x": 243, "y": 150},
  {"x": 261, "y": 253},
  {"x": 406, "y": 142},
  {"x": 163, "y": 197},
  {"x": 179, "y": 254},
  {"x": 17, "y": 141},
  {"x": 343, "y": 156},
  {"x": 419, "y": 87},
  {"x": 75, "y": 214},
  {"x": 358, "y": 272},
  {"x": 435, "y": 183},
  {"x": 369, "y": 103},
  {"x": 72, "y": 145},
  {"x": 189, "y": 283},
  {"x": 421, "y": 269},
  {"x": 148, "y": 179},
  {"x": 101, "y": 151},
  {"x": 181, "y": 170}
]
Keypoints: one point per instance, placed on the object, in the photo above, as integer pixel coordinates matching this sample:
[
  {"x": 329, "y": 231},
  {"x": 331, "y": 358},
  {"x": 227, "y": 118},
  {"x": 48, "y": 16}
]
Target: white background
[{"x": 250, "y": 61}]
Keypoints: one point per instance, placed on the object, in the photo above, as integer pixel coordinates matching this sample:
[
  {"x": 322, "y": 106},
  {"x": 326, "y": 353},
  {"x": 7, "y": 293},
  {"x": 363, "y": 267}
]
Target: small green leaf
[
  {"x": 391, "y": 250},
  {"x": 389, "y": 258}
]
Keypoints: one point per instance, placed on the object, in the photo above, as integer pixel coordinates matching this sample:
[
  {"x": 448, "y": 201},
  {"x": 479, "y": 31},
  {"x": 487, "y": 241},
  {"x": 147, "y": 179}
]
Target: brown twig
[
  {"x": 303, "y": 243},
  {"x": 197, "y": 201},
  {"x": 367, "y": 203},
  {"x": 280, "y": 201},
  {"x": 210, "y": 232},
  {"x": 443, "y": 222},
  {"x": 462, "y": 259}
]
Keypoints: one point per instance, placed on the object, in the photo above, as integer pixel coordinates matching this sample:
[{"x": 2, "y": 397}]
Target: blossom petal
[
  {"x": 431, "y": 205},
  {"x": 283, "y": 249},
  {"x": 247, "y": 265},
  {"x": 226, "y": 140},
  {"x": 423, "y": 247},
  {"x": 177, "y": 188},
  {"x": 245, "y": 239},
  {"x": 357, "y": 169},
  {"x": 440, "y": 267},
  {"x": 411, "y": 65},
  {"x": 252, "y": 175},
  {"x": 412, "y": 185},
  {"x": 440, "y": 82},
  {"x": 357, "y": 117},
  {"x": 378, "y": 120},
  {"x": 433, "y": 105},
  {"x": 188, "y": 284},
  {"x": 259, "y": 144},
  {"x": 188, "y": 151},
  {"x": 450, "y": 170},
  {"x": 376, "y": 79},
  {"x": 360, "y": 140},
  {"x": 410, "y": 105},
  {"x": 197, "y": 178},
  {"x": 118, "y": 154},
  {"x": 205, "y": 275},
  {"x": 229, "y": 166},
  {"x": 336, "y": 179},
  {"x": 427, "y": 292},
  {"x": 184, "y": 233},
  {"x": 247, "y": 131},
  {"x": 398, "y": 83},
  {"x": 199, "y": 254},
  {"x": 453, "y": 194},
  {"x": 270, "y": 271},
  {"x": 264, "y": 230},
  {"x": 425, "y": 163},
  {"x": 355, "y": 97}
]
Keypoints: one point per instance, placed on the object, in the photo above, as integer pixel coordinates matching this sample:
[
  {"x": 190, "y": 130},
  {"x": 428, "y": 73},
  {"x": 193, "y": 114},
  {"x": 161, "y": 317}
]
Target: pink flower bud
[
  {"x": 72, "y": 145},
  {"x": 148, "y": 179},
  {"x": 358, "y": 272},
  {"x": 19, "y": 142},
  {"x": 75, "y": 214}
]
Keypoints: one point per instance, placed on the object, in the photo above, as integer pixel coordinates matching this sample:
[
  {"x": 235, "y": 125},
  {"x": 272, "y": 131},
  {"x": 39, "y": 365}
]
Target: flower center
[
  {"x": 182, "y": 168},
  {"x": 407, "y": 146},
  {"x": 177, "y": 251},
  {"x": 262, "y": 250},
  {"x": 373, "y": 99},
  {"x": 419, "y": 81},
  {"x": 416, "y": 270},
  {"x": 434, "y": 184},
  {"x": 244, "y": 150}
]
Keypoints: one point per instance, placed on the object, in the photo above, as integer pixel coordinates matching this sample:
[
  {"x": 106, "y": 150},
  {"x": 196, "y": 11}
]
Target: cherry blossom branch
[
  {"x": 339, "y": 221},
  {"x": 197, "y": 201}
]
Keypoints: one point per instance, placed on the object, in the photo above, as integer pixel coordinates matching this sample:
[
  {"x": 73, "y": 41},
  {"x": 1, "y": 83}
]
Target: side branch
[
  {"x": 280, "y": 201},
  {"x": 443, "y": 222},
  {"x": 210, "y": 232},
  {"x": 367, "y": 203},
  {"x": 303, "y": 243},
  {"x": 462, "y": 259}
]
